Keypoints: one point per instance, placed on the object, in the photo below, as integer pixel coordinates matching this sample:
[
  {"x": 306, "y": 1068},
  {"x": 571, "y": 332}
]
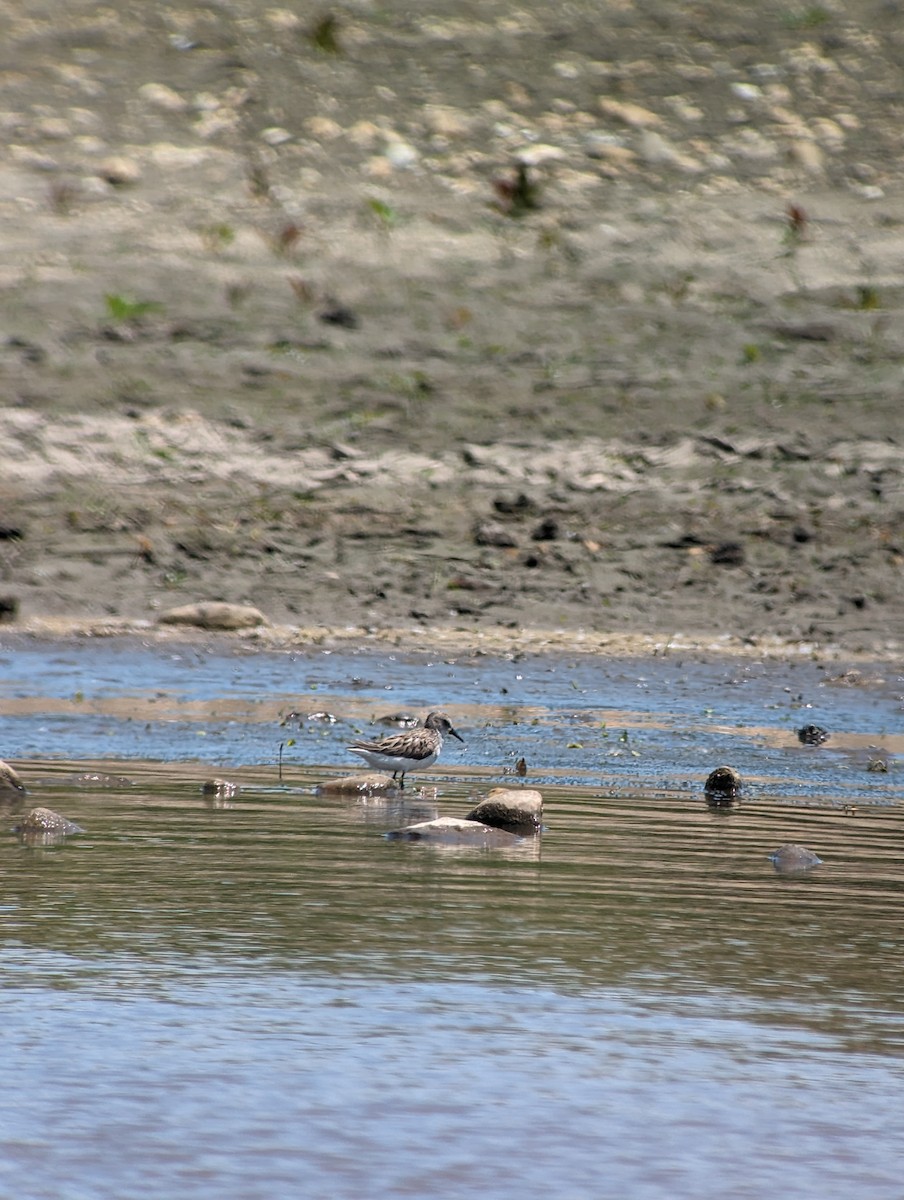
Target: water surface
[{"x": 263, "y": 996}]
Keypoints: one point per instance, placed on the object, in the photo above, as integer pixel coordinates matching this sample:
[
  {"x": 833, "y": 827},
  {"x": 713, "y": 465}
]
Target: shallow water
[{"x": 265, "y": 997}]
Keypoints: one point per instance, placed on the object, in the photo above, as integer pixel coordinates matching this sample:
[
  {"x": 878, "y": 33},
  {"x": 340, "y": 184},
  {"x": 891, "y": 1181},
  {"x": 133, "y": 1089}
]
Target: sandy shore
[{"x": 279, "y": 334}]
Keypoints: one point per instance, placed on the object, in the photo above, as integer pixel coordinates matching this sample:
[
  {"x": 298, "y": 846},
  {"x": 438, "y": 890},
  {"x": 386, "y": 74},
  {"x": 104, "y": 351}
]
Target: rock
[
  {"x": 658, "y": 151},
  {"x": 547, "y": 531},
  {"x": 791, "y": 859},
  {"x": 98, "y": 779},
  {"x": 628, "y": 113},
  {"x": 728, "y": 554},
  {"x": 219, "y": 789},
  {"x": 490, "y": 533},
  {"x": 11, "y": 784},
  {"x": 275, "y": 135},
  {"x": 514, "y": 504},
  {"x": 454, "y": 830},
  {"x": 812, "y": 735},
  {"x": 446, "y": 122},
  {"x": 723, "y": 784},
  {"x": 373, "y": 783},
  {"x": 517, "y": 810},
  {"x": 214, "y": 614},
  {"x": 158, "y": 95},
  {"x": 399, "y": 154},
  {"x": 539, "y": 153},
  {"x": 808, "y": 155},
  {"x": 43, "y": 826},
  {"x": 119, "y": 171}
]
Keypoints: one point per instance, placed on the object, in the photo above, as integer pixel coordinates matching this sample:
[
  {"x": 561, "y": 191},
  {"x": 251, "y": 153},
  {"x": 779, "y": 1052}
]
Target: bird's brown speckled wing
[{"x": 415, "y": 744}]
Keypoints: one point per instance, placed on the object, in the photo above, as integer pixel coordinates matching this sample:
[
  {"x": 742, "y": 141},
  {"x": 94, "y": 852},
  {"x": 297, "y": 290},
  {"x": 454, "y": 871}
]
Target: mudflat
[{"x": 476, "y": 320}]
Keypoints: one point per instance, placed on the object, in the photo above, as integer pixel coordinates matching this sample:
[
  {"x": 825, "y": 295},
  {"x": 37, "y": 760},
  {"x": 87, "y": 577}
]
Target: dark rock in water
[
  {"x": 813, "y": 735},
  {"x": 43, "y": 826},
  {"x": 791, "y": 859},
  {"x": 11, "y": 785},
  {"x": 219, "y": 789},
  {"x": 455, "y": 831},
  {"x": 723, "y": 784},
  {"x": 372, "y": 784},
  {"x": 517, "y": 810}
]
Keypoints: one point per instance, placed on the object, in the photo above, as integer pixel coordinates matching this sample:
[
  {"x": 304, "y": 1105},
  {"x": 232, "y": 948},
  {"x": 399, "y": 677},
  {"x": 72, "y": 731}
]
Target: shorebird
[{"x": 403, "y": 752}]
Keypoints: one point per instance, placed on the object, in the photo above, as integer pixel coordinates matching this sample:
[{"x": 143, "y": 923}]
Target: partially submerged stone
[
  {"x": 455, "y": 831},
  {"x": 723, "y": 784},
  {"x": 100, "y": 779},
  {"x": 43, "y": 825},
  {"x": 214, "y": 614},
  {"x": 812, "y": 735},
  {"x": 791, "y": 859},
  {"x": 518, "y": 810},
  {"x": 11, "y": 785},
  {"x": 219, "y": 789},
  {"x": 371, "y": 783}
]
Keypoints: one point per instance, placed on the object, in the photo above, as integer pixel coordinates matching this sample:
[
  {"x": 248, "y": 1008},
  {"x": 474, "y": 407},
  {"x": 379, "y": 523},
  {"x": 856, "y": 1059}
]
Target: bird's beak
[{"x": 456, "y": 735}]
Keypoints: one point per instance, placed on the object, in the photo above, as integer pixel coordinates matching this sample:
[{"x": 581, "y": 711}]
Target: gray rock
[
  {"x": 791, "y": 859},
  {"x": 517, "y": 810},
  {"x": 373, "y": 783},
  {"x": 454, "y": 831},
  {"x": 43, "y": 826},
  {"x": 214, "y": 614}
]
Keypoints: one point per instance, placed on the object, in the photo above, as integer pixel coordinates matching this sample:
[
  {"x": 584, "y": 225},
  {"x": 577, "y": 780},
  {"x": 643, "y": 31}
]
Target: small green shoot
[
  {"x": 385, "y": 213},
  {"x": 809, "y": 17},
  {"x": 121, "y": 309},
  {"x": 867, "y": 297},
  {"x": 324, "y": 34},
  {"x": 217, "y": 237}
]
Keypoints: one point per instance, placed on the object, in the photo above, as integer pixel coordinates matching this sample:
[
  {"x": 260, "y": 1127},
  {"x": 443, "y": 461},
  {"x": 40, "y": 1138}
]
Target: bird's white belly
[{"x": 386, "y": 762}]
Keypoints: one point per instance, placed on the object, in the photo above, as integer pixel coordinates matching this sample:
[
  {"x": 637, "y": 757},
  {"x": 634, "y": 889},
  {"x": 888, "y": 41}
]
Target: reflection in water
[{"x": 274, "y": 1000}]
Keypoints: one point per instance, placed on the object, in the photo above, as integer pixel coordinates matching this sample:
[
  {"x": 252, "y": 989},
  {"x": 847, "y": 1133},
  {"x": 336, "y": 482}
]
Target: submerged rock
[
  {"x": 518, "y": 810},
  {"x": 455, "y": 831},
  {"x": 371, "y": 783},
  {"x": 791, "y": 859},
  {"x": 99, "y": 779},
  {"x": 214, "y": 614},
  {"x": 722, "y": 785},
  {"x": 43, "y": 826}
]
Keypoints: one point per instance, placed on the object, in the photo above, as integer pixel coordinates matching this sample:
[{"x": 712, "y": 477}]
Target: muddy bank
[{"x": 278, "y": 331}]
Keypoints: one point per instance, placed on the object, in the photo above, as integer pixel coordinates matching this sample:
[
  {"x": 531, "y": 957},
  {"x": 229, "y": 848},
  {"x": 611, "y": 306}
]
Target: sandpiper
[{"x": 403, "y": 752}]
